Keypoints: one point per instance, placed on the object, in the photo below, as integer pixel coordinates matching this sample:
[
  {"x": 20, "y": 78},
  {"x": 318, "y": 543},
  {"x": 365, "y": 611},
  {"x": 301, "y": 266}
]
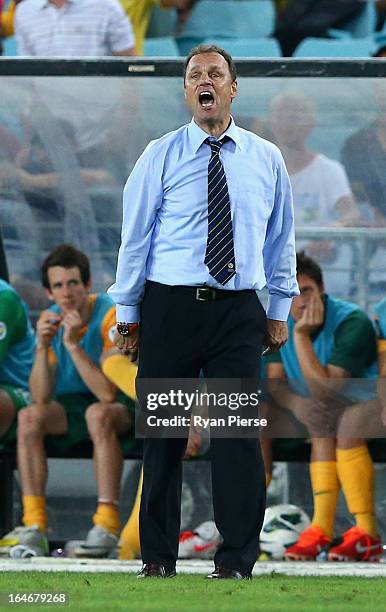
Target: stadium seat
[
  {"x": 326, "y": 47},
  {"x": 185, "y": 44},
  {"x": 379, "y": 40},
  {"x": 360, "y": 26},
  {"x": 227, "y": 19},
  {"x": 161, "y": 47},
  {"x": 162, "y": 23},
  {"x": 9, "y": 46},
  {"x": 248, "y": 47}
]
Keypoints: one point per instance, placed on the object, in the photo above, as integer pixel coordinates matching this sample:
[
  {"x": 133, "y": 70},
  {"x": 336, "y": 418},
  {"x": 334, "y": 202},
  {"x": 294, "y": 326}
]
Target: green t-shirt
[
  {"x": 355, "y": 345},
  {"x": 17, "y": 340},
  {"x": 13, "y": 321}
]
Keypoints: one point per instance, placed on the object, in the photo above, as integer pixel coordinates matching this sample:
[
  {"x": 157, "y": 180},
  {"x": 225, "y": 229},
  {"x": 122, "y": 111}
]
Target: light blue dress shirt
[{"x": 165, "y": 219}]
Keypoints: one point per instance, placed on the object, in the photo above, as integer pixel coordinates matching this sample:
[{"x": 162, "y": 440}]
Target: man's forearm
[
  {"x": 129, "y": 52},
  {"x": 382, "y": 377},
  {"x": 309, "y": 363},
  {"x": 382, "y": 360},
  {"x": 314, "y": 372},
  {"x": 180, "y": 5},
  {"x": 41, "y": 379},
  {"x": 92, "y": 375},
  {"x": 7, "y": 19},
  {"x": 312, "y": 369}
]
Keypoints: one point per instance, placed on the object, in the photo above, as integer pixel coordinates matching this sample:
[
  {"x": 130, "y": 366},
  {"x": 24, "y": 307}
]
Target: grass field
[{"x": 116, "y": 592}]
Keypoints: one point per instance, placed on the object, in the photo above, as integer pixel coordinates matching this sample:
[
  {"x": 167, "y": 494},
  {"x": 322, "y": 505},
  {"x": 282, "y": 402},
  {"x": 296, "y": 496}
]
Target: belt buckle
[{"x": 204, "y": 294}]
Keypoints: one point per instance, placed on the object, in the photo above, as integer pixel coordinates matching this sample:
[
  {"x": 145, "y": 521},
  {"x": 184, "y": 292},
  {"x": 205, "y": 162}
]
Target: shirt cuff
[
  {"x": 127, "y": 314},
  {"x": 278, "y": 307}
]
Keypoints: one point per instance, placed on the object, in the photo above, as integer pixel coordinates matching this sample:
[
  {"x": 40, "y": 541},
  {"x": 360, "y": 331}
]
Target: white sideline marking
[{"x": 50, "y": 564}]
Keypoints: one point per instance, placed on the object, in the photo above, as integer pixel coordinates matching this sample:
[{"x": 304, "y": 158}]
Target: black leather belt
[{"x": 209, "y": 294}]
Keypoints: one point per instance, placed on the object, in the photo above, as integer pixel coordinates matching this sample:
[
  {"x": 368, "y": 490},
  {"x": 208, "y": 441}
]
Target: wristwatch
[{"x": 126, "y": 329}]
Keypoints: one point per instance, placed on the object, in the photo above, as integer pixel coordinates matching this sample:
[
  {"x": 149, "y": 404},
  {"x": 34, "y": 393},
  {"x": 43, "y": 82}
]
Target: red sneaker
[
  {"x": 357, "y": 545},
  {"x": 308, "y": 546}
]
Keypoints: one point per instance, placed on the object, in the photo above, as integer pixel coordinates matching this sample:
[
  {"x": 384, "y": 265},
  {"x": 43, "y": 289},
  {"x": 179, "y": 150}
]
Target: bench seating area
[{"x": 291, "y": 450}]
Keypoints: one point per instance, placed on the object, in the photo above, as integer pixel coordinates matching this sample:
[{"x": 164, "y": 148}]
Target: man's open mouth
[{"x": 206, "y": 99}]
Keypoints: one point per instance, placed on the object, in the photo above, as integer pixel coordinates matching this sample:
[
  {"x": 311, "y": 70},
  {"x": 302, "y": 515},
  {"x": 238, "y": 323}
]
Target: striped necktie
[{"x": 219, "y": 255}]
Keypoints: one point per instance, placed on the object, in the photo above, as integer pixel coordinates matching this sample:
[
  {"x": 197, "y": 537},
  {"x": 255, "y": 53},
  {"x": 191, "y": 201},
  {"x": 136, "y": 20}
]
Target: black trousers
[{"x": 179, "y": 337}]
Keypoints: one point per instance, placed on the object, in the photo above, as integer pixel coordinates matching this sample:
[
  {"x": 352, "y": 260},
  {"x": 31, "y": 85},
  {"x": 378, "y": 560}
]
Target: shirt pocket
[{"x": 254, "y": 204}]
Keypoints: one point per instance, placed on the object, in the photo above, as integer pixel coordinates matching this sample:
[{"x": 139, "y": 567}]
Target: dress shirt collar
[
  {"x": 197, "y": 136},
  {"x": 45, "y": 3}
]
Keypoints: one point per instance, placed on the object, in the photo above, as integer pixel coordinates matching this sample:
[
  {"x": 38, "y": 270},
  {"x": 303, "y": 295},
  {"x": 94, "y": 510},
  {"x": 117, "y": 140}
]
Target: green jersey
[{"x": 17, "y": 340}]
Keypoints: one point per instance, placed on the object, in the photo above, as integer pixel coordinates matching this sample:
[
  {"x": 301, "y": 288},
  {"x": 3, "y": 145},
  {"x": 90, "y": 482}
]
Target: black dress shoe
[
  {"x": 222, "y": 573},
  {"x": 155, "y": 570}
]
